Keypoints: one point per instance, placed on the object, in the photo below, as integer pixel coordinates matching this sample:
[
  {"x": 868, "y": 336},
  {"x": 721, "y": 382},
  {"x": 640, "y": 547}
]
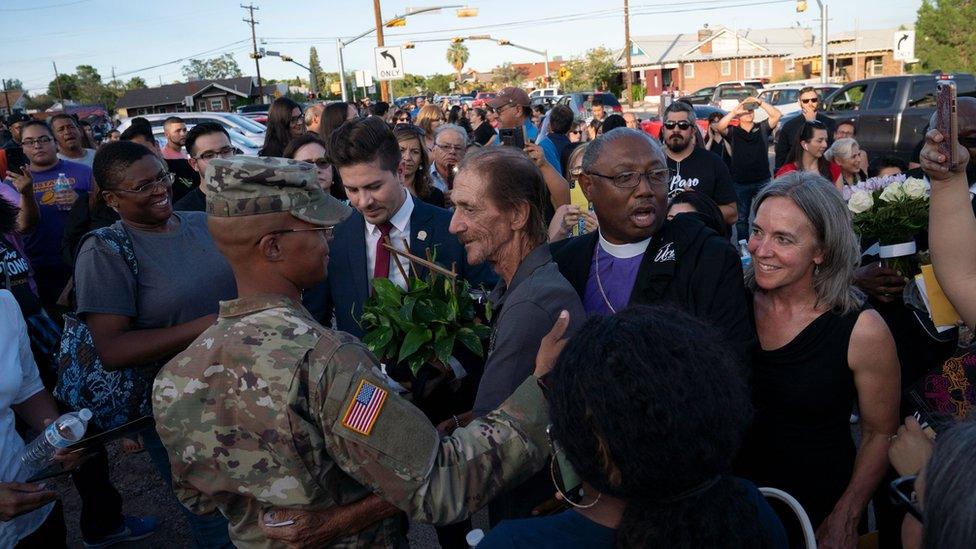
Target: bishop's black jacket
[{"x": 703, "y": 275}]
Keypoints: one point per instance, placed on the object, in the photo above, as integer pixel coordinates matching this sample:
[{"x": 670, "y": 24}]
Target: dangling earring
[{"x": 816, "y": 269}]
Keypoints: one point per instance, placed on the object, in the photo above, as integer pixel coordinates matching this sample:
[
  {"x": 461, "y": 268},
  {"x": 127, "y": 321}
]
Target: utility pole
[
  {"x": 254, "y": 44},
  {"x": 384, "y": 90},
  {"x": 629, "y": 79},
  {"x": 57, "y": 78},
  {"x": 6, "y": 98}
]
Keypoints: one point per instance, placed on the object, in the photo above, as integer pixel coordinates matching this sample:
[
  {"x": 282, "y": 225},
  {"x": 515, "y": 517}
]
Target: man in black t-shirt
[
  {"x": 693, "y": 168},
  {"x": 750, "y": 153}
]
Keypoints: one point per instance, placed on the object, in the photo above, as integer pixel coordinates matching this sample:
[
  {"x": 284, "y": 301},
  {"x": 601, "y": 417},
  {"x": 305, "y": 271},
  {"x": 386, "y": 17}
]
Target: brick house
[
  {"x": 199, "y": 95},
  {"x": 691, "y": 61}
]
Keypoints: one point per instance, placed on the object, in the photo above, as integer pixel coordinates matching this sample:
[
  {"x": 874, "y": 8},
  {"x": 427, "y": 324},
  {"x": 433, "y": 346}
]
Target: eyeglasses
[
  {"x": 329, "y": 231},
  {"x": 903, "y": 494},
  {"x": 629, "y": 180},
  {"x": 42, "y": 140},
  {"x": 320, "y": 162},
  {"x": 165, "y": 181},
  {"x": 681, "y": 124},
  {"x": 300, "y": 119},
  {"x": 811, "y": 100},
  {"x": 225, "y": 152},
  {"x": 449, "y": 148}
]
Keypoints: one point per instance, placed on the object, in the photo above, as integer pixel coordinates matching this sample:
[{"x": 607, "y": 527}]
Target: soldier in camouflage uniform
[{"x": 267, "y": 408}]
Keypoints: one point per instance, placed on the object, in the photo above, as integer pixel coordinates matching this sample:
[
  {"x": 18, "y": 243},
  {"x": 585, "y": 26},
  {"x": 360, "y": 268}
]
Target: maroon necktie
[{"x": 381, "y": 269}]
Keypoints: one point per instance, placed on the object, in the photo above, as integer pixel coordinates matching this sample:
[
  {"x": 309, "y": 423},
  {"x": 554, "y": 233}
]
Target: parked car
[
  {"x": 241, "y": 143},
  {"x": 890, "y": 112},
  {"x": 231, "y": 121},
  {"x": 580, "y": 102},
  {"x": 757, "y": 83},
  {"x": 544, "y": 92},
  {"x": 259, "y": 107},
  {"x": 702, "y": 112},
  {"x": 721, "y": 95},
  {"x": 482, "y": 99},
  {"x": 784, "y": 98},
  {"x": 547, "y": 101}
]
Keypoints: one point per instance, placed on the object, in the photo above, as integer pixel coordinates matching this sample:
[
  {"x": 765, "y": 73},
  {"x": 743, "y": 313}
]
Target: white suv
[{"x": 233, "y": 123}]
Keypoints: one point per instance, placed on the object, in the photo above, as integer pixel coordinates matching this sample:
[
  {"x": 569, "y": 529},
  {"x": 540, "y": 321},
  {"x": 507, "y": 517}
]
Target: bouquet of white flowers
[{"x": 892, "y": 209}]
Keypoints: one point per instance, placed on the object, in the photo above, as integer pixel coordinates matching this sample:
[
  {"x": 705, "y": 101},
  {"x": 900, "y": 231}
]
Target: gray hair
[
  {"x": 842, "y": 148},
  {"x": 312, "y": 112},
  {"x": 949, "y": 495},
  {"x": 824, "y": 208},
  {"x": 443, "y": 128},
  {"x": 595, "y": 148},
  {"x": 681, "y": 106}
]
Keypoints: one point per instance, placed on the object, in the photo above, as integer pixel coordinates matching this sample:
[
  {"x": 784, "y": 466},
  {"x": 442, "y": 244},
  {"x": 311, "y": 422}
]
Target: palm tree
[{"x": 457, "y": 56}]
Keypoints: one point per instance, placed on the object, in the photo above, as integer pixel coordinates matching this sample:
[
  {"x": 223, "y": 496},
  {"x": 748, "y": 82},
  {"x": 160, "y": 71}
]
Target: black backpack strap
[{"x": 118, "y": 239}]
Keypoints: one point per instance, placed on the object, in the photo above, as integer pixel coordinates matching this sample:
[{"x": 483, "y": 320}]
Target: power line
[
  {"x": 37, "y": 8},
  {"x": 184, "y": 58}
]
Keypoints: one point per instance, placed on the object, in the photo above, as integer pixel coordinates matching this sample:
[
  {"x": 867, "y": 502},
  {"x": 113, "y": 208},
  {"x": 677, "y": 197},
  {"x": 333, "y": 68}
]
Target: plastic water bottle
[
  {"x": 61, "y": 187},
  {"x": 744, "y": 254},
  {"x": 63, "y": 432},
  {"x": 474, "y": 537}
]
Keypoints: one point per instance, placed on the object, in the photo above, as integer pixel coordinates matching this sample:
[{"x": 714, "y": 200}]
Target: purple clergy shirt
[{"x": 617, "y": 275}]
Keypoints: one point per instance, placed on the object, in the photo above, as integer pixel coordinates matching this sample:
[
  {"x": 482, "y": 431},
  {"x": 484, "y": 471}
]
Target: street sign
[
  {"x": 389, "y": 63},
  {"x": 904, "y": 45},
  {"x": 564, "y": 73},
  {"x": 363, "y": 79}
]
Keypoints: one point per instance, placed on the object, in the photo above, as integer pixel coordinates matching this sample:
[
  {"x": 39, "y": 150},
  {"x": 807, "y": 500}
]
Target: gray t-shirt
[
  {"x": 87, "y": 159},
  {"x": 182, "y": 276}
]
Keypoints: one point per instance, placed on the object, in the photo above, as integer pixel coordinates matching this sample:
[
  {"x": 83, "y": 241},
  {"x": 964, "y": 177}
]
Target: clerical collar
[{"x": 624, "y": 251}]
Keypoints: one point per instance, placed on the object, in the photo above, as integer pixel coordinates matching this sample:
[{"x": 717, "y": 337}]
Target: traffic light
[
  {"x": 467, "y": 12},
  {"x": 285, "y": 58},
  {"x": 398, "y": 22},
  {"x": 457, "y": 40},
  {"x": 801, "y": 6},
  {"x": 409, "y": 45},
  {"x": 503, "y": 42},
  {"x": 255, "y": 55}
]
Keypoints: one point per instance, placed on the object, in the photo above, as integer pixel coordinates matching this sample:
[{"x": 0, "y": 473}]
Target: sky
[{"x": 152, "y": 39}]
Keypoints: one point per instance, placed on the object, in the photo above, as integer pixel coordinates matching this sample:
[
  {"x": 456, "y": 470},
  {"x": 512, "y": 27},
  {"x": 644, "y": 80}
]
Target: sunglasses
[
  {"x": 903, "y": 494},
  {"x": 320, "y": 162},
  {"x": 811, "y": 100},
  {"x": 681, "y": 124}
]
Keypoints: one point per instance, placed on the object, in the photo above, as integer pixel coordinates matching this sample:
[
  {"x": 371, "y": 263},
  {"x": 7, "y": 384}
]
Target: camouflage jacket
[{"x": 269, "y": 409}]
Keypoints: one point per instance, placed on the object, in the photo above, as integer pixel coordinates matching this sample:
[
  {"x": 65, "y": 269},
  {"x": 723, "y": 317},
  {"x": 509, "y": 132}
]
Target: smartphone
[
  {"x": 945, "y": 118},
  {"x": 512, "y": 137},
  {"x": 16, "y": 159},
  {"x": 751, "y": 106}
]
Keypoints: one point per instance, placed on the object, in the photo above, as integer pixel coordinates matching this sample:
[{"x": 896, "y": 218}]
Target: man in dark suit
[{"x": 638, "y": 258}]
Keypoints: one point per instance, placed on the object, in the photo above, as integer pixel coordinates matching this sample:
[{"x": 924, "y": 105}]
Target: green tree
[
  {"x": 595, "y": 70},
  {"x": 13, "y": 84},
  {"x": 944, "y": 36},
  {"x": 508, "y": 75},
  {"x": 136, "y": 83},
  {"x": 68, "y": 85},
  {"x": 224, "y": 66},
  {"x": 321, "y": 83},
  {"x": 412, "y": 84},
  {"x": 439, "y": 83},
  {"x": 457, "y": 56},
  {"x": 91, "y": 89}
]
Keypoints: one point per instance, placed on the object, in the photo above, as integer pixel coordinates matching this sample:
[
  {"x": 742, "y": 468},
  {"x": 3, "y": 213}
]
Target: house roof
[
  {"x": 725, "y": 43},
  {"x": 851, "y": 42},
  {"x": 533, "y": 71},
  {"x": 13, "y": 95},
  {"x": 175, "y": 93}
]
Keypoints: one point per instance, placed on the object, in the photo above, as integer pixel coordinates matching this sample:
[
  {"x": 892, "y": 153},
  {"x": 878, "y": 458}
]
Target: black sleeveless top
[{"x": 803, "y": 394}]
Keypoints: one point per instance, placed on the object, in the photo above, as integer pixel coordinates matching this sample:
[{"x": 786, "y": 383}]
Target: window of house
[
  {"x": 874, "y": 66},
  {"x": 790, "y": 65},
  {"x": 689, "y": 69},
  {"x": 216, "y": 104},
  {"x": 726, "y": 68},
  {"x": 758, "y": 68}
]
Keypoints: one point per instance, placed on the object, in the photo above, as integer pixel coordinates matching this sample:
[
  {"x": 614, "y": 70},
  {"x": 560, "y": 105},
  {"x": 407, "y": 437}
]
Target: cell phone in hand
[
  {"x": 945, "y": 118},
  {"x": 512, "y": 137}
]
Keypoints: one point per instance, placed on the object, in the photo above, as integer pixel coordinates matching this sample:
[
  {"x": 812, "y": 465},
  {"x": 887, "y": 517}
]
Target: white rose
[
  {"x": 914, "y": 188},
  {"x": 892, "y": 192},
  {"x": 861, "y": 201}
]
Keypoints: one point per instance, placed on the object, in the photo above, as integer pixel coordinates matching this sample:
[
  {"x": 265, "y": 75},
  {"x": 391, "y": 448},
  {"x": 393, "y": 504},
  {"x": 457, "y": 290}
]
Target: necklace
[{"x": 599, "y": 282}]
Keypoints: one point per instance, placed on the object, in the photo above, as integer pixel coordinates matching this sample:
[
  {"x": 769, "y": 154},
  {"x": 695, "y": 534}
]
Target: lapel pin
[{"x": 422, "y": 236}]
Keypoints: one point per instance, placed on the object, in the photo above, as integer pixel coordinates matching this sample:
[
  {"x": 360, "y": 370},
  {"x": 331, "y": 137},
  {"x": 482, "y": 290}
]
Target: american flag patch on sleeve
[{"x": 365, "y": 408}]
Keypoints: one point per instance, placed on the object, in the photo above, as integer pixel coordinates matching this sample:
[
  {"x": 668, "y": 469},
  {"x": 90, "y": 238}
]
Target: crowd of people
[{"x": 644, "y": 377}]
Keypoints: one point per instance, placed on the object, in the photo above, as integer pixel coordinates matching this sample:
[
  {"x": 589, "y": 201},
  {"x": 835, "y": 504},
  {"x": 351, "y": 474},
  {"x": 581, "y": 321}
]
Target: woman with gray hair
[
  {"x": 846, "y": 153},
  {"x": 819, "y": 351}
]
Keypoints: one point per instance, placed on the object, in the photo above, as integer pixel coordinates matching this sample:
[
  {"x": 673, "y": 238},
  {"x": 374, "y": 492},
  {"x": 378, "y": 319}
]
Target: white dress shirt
[{"x": 399, "y": 234}]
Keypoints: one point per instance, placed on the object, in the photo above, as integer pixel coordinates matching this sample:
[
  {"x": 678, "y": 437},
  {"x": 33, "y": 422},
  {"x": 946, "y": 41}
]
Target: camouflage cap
[{"x": 248, "y": 185}]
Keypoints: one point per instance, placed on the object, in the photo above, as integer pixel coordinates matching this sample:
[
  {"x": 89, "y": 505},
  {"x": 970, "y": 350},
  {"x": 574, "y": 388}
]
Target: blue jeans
[
  {"x": 744, "y": 193},
  {"x": 209, "y": 531}
]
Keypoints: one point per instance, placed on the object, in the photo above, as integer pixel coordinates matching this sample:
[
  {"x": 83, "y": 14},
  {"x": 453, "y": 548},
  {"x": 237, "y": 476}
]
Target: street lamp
[
  {"x": 801, "y": 6},
  {"x": 399, "y": 21},
  {"x": 287, "y": 58}
]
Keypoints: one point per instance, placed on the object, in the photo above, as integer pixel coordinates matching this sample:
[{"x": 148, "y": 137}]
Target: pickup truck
[{"x": 891, "y": 112}]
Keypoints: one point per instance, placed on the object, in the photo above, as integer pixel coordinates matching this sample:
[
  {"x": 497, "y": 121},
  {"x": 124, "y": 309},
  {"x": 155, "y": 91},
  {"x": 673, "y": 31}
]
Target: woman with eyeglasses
[
  {"x": 429, "y": 118},
  {"x": 311, "y": 149},
  {"x": 416, "y": 165},
  {"x": 665, "y": 481},
  {"x": 285, "y": 122},
  {"x": 808, "y": 151},
  {"x": 142, "y": 319}
]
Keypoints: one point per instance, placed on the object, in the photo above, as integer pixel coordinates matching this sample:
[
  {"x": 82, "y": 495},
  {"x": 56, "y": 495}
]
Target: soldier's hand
[
  {"x": 296, "y": 528},
  {"x": 552, "y": 345}
]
